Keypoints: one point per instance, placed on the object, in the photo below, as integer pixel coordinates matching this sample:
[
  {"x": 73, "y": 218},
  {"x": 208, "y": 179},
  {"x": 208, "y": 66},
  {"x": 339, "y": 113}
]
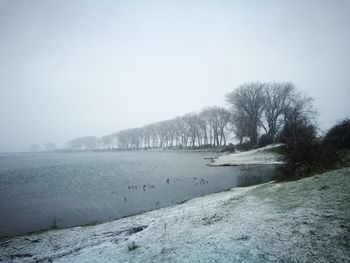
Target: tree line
[
  {"x": 255, "y": 112},
  {"x": 47, "y": 147},
  {"x": 203, "y": 129}
]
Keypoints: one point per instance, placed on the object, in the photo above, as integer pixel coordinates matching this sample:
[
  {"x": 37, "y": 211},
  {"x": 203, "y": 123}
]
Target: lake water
[{"x": 42, "y": 191}]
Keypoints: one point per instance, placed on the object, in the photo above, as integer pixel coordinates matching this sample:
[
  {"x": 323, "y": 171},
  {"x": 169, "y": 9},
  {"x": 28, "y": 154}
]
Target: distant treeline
[
  {"x": 255, "y": 113},
  {"x": 48, "y": 147}
]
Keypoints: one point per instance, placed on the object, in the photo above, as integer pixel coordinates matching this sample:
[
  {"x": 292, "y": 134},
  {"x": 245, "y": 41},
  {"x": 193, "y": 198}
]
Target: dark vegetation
[
  {"x": 339, "y": 135},
  {"x": 307, "y": 154},
  {"x": 265, "y": 139}
]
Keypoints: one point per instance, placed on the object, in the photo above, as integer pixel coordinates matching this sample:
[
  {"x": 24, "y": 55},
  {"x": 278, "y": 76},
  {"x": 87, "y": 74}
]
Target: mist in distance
[{"x": 80, "y": 68}]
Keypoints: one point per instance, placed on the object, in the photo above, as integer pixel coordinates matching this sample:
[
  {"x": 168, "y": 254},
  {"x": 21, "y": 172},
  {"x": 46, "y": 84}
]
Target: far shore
[{"x": 220, "y": 149}]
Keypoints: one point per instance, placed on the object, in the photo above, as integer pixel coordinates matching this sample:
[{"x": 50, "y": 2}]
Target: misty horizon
[{"x": 80, "y": 68}]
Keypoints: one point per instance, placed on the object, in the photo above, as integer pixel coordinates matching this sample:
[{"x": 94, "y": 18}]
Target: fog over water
[{"x": 78, "y": 68}]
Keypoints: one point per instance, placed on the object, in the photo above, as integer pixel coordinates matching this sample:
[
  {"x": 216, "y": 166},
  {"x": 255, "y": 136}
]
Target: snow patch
[{"x": 265, "y": 155}]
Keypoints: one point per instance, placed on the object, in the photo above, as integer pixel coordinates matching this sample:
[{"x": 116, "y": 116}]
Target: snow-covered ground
[
  {"x": 265, "y": 155},
  {"x": 300, "y": 221}
]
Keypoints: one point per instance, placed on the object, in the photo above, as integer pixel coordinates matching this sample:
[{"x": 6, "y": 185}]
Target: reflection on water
[{"x": 42, "y": 191}]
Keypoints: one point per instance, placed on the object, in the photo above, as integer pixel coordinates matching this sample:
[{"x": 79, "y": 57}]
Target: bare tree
[
  {"x": 298, "y": 113},
  {"x": 114, "y": 137},
  {"x": 107, "y": 141},
  {"x": 77, "y": 143},
  {"x": 217, "y": 119},
  {"x": 91, "y": 143},
  {"x": 85, "y": 143},
  {"x": 204, "y": 127},
  {"x": 210, "y": 116},
  {"x": 223, "y": 118},
  {"x": 192, "y": 128},
  {"x": 35, "y": 148},
  {"x": 50, "y": 146},
  {"x": 240, "y": 127},
  {"x": 277, "y": 97},
  {"x": 247, "y": 102}
]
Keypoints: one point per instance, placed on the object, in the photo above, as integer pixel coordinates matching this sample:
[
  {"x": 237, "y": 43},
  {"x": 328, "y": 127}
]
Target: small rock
[
  {"x": 243, "y": 237},
  {"x": 132, "y": 246},
  {"x": 325, "y": 187}
]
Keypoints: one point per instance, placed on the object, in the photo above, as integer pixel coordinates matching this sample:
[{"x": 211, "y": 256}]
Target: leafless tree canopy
[
  {"x": 86, "y": 143},
  {"x": 50, "y": 146},
  {"x": 254, "y": 109},
  {"x": 266, "y": 107},
  {"x": 277, "y": 98},
  {"x": 247, "y": 103},
  {"x": 194, "y": 129}
]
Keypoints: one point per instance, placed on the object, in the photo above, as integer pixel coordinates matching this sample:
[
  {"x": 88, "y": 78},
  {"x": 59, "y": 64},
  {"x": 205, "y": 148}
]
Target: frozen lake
[{"x": 42, "y": 191}]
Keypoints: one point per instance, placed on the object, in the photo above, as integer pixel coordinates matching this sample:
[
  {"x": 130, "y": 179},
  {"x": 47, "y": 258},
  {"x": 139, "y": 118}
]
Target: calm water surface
[{"x": 41, "y": 191}]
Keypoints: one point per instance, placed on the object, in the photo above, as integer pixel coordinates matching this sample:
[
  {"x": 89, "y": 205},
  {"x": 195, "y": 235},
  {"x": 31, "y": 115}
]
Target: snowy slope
[
  {"x": 302, "y": 221},
  {"x": 264, "y": 155}
]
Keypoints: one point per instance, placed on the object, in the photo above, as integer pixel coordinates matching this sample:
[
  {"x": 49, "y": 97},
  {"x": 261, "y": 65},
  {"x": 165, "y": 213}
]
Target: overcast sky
[{"x": 78, "y": 68}]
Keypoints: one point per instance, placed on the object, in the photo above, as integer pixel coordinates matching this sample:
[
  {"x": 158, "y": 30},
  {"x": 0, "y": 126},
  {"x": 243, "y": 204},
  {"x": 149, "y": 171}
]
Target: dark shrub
[
  {"x": 305, "y": 154},
  {"x": 297, "y": 132},
  {"x": 246, "y": 146},
  {"x": 309, "y": 158},
  {"x": 339, "y": 135},
  {"x": 230, "y": 148},
  {"x": 265, "y": 139},
  {"x": 206, "y": 146}
]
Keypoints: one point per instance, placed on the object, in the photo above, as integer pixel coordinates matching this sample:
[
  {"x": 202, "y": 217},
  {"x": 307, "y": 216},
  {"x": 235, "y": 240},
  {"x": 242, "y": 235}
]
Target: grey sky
[{"x": 77, "y": 68}]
